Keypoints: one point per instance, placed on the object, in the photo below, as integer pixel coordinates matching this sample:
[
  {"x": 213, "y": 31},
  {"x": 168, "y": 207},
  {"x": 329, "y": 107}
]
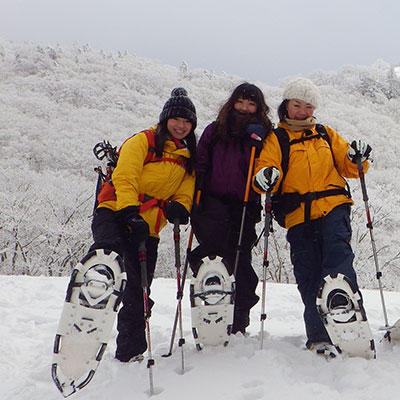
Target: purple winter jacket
[{"x": 226, "y": 165}]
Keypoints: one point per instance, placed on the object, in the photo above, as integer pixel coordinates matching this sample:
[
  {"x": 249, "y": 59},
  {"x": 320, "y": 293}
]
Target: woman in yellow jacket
[
  {"x": 316, "y": 202},
  {"x": 154, "y": 182}
]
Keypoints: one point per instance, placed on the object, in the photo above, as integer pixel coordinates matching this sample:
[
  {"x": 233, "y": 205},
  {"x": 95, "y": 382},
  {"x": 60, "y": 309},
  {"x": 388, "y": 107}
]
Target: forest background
[{"x": 58, "y": 102}]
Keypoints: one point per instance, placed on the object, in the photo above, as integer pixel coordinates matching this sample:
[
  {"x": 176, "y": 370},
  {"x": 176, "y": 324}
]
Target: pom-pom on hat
[
  {"x": 179, "y": 105},
  {"x": 302, "y": 89}
]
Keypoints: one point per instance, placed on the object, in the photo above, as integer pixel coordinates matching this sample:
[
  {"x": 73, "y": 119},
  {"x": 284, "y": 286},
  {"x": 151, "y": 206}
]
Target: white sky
[{"x": 257, "y": 40}]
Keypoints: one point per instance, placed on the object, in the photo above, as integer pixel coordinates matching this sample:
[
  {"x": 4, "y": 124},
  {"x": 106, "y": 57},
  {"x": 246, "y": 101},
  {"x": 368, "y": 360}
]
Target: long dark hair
[
  {"x": 282, "y": 110},
  {"x": 245, "y": 91},
  {"x": 162, "y": 135}
]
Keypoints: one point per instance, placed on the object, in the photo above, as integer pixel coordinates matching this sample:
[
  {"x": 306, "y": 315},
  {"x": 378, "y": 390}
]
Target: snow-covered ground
[{"x": 31, "y": 306}]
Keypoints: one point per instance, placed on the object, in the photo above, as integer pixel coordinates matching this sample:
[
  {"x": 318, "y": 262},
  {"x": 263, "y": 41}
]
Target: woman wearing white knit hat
[{"x": 304, "y": 163}]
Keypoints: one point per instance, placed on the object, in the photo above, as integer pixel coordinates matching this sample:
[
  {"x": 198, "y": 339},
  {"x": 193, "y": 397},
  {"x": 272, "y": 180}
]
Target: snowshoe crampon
[
  {"x": 93, "y": 297},
  {"x": 212, "y": 303},
  {"x": 345, "y": 319},
  {"x": 324, "y": 349}
]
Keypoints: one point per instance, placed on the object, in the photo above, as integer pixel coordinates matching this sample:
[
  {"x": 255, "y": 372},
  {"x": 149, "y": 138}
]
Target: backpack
[
  {"x": 105, "y": 190},
  {"x": 283, "y": 204}
]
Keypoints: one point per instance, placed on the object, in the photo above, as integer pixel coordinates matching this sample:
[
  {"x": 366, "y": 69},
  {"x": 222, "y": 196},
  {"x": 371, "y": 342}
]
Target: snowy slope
[
  {"x": 56, "y": 103},
  {"x": 29, "y": 312}
]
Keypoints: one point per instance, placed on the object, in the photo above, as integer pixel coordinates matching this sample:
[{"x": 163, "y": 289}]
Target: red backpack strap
[
  {"x": 151, "y": 157},
  {"x": 150, "y": 135},
  {"x": 151, "y": 140}
]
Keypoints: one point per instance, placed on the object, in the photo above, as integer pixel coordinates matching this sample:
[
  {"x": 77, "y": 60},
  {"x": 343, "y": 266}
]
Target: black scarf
[{"x": 238, "y": 121}]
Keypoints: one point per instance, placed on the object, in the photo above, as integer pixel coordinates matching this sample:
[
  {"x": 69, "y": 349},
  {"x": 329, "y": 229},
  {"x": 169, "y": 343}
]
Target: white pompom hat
[{"x": 302, "y": 89}]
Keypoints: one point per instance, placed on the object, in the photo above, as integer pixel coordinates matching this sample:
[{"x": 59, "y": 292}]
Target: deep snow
[{"x": 31, "y": 306}]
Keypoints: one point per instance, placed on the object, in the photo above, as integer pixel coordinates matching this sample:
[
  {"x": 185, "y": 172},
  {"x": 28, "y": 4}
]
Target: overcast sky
[{"x": 256, "y": 39}]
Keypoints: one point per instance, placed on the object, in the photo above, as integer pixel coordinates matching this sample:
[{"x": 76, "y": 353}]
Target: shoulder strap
[
  {"x": 322, "y": 131},
  {"x": 151, "y": 157},
  {"x": 283, "y": 139},
  {"x": 150, "y": 135}
]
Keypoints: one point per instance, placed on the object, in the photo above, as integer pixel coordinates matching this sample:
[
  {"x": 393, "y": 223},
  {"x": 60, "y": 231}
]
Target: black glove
[
  {"x": 139, "y": 228},
  {"x": 176, "y": 210},
  {"x": 256, "y": 131}
]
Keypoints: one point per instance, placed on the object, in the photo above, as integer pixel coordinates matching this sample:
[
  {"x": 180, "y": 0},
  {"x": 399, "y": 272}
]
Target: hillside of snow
[{"x": 57, "y": 103}]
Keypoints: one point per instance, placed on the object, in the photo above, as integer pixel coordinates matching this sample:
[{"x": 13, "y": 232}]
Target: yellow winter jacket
[
  {"x": 311, "y": 169},
  {"x": 162, "y": 180}
]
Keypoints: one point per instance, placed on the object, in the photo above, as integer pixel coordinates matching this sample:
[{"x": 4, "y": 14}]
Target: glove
[
  {"x": 139, "y": 228},
  {"x": 266, "y": 178},
  {"x": 176, "y": 211},
  {"x": 256, "y": 131},
  {"x": 358, "y": 148}
]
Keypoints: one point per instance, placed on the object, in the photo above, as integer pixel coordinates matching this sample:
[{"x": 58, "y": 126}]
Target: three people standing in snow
[{"x": 149, "y": 193}]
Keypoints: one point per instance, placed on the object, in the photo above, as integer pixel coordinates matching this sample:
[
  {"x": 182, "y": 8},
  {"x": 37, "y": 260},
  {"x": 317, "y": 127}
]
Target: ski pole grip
[
  {"x": 249, "y": 173},
  {"x": 359, "y": 163}
]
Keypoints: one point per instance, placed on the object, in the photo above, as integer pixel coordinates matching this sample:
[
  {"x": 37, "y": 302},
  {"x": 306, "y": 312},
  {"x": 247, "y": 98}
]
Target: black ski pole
[
  {"x": 185, "y": 268},
  {"x": 267, "y": 229},
  {"x": 255, "y": 244},
  {"x": 145, "y": 286},
  {"x": 171, "y": 344},
  {"x": 370, "y": 227},
  {"x": 179, "y": 294}
]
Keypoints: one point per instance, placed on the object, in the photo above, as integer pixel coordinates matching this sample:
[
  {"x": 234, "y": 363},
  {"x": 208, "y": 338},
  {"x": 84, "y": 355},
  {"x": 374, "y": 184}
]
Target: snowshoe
[
  {"x": 91, "y": 304},
  {"x": 212, "y": 303},
  {"x": 345, "y": 319}
]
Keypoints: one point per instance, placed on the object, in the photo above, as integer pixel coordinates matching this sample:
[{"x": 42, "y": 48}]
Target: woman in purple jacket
[{"x": 223, "y": 153}]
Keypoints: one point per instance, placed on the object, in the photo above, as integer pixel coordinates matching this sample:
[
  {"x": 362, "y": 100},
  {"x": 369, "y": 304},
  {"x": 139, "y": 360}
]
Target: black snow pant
[
  {"x": 131, "y": 339},
  {"x": 107, "y": 232},
  {"x": 316, "y": 251},
  {"x": 217, "y": 228}
]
